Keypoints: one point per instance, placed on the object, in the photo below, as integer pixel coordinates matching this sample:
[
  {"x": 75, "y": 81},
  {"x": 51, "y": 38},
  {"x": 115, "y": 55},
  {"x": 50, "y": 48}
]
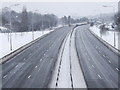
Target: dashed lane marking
[
  {"x": 117, "y": 69},
  {"x": 93, "y": 66},
  {"x": 29, "y": 76},
  {"x": 109, "y": 61},
  {"x": 5, "y": 76},
  {"x": 8, "y": 61},
  {"x": 35, "y": 66},
  {"x": 40, "y": 60},
  {"x": 103, "y": 55},
  {"x": 16, "y": 66},
  {"x": 99, "y": 76}
]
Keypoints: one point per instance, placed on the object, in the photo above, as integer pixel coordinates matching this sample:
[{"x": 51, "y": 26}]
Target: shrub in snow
[
  {"x": 103, "y": 27},
  {"x": 91, "y": 24}
]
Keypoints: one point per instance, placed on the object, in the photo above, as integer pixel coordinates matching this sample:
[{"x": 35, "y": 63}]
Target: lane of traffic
[
  {"x": 35, "y": 59},
  {"x": 97, "y": 71}
]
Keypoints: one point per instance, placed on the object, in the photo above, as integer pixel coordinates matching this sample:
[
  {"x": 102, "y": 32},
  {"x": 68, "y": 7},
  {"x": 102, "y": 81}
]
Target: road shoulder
[
  {"x": 68, "y": 73},
  {"x": 78, "y": 78}
]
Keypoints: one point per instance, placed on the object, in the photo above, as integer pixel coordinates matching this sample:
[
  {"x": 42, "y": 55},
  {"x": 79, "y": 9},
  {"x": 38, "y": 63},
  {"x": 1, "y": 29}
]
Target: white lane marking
[
  {"x": 14, "y": 57},
  {"x": 93, "y": 66},
  {"x": 47, "y": 50},
  {"x": 40, "y": 60},
  {"x": 35, "y": 66},
  {"x": 24, "y": 59},
  {"x": 99, "y": 76},
  {"x": 44, "y": 54},
  {"x": 109, "y": 61},
  {"x": 29, "y": 76},
  {"x": 5, "y": 76},
  {"x": 103, "y": 55},
  {"x": 8, "y": 61},
  {"x": 117, "y": 69},
  {"x": 16, "y": 66}
]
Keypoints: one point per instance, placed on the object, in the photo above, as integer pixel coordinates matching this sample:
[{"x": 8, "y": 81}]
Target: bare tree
[{"x": 24, "y": 21}]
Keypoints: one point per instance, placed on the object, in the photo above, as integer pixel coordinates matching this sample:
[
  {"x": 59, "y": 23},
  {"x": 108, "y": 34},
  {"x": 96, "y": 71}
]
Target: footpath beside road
[{"x": 68, "y": 73}]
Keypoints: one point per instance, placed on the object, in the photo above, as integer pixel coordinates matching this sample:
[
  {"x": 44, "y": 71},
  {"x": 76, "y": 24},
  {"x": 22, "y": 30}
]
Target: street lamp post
[
  {"x": 113, "y": 14},
  {"x": 100, "y": 19},
  {"x": 11, "y": 25},
  {"x": 42, "y": 27},
  {"x": 32, "y": 27},
  {"x": 42, "y": 23},
  {"x": 33, "y": 24}
]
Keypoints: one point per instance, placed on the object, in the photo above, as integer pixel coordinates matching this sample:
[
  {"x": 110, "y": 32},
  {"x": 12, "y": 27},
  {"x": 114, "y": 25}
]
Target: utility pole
[
  {"x": 113, "y": 14},
  {"x": 32, "y": 27},
  {"x": 11, "y": 25}
]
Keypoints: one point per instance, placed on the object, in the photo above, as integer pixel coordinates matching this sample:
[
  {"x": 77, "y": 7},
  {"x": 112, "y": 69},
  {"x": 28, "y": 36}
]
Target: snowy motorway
[
  {"x": 18, "y": 40},
  {"x": 63, "y": 59},
  {"x": 99, "y": 64},
  {"x": 68, "y": 73},
  {"x": 33, "y": 67}
]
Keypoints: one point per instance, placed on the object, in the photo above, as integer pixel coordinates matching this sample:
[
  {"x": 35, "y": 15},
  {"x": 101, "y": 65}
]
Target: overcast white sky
[{"x": 73, "y": 7}]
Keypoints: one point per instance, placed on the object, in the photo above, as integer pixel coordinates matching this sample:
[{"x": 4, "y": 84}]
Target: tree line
[{"x": 28, "y": 21}]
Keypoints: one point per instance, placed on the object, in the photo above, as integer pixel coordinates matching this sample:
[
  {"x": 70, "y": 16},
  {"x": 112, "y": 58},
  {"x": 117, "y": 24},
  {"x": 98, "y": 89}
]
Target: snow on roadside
[
  {"x": 18, "y": 39},
  {"x": 61, "y": 77},
  {"x": 108, "y": 37},
  {"x": 77, "y": 75},
  {"x": 63, "y": 69},
  {"x": 64, "y": 75}
]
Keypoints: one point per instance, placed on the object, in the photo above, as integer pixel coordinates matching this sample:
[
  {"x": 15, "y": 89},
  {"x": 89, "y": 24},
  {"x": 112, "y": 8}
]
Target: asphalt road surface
[
  {"x": 32, "y": 67},
  {"x": 99, "y": 64}
]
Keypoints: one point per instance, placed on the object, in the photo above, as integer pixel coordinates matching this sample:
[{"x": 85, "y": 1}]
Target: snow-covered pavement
[
  {"x": 68, "y": 73},
  {"x": 64, "y": 78},
  {"x": 108, "y": 36},
  {"x": 18, "y": 39},
  {"x": 78, "y": 79}
]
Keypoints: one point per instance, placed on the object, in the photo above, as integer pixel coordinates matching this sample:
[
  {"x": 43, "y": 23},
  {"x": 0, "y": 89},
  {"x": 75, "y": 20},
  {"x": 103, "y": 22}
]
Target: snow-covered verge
[
  {"x": 68, "y": 73},
  {"x": 18, "y": 40},
  {"x": 107, "y": 36}
]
